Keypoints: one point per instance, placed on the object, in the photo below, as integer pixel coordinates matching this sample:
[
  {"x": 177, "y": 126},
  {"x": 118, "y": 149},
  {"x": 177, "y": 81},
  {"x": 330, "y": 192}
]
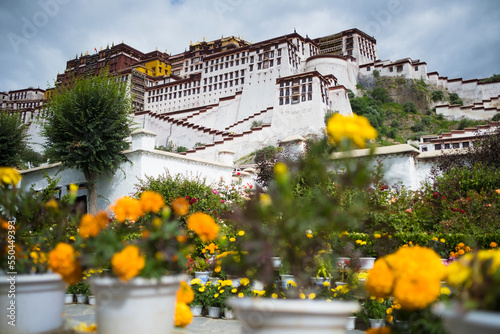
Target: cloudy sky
[{"x": 456, "y": 38}]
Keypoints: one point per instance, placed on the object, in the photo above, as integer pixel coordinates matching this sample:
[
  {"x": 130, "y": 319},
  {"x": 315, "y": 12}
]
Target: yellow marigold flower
[
  {"x": 380, "y": 279},
  {"x": 380, "y": 300},
  {"x": 416, "y": 292},
  {"x": 217, "y": 269},
  {"x": 241, "y": 233},
  {"x": 244, "y": 281},
  {"x": 181, "y": 238},
  {"x": 127, "y": 263},
  {"x": 127, "y": 208},
  {"x": 389, "y": 310},
  {"x": 180, "y": 206},
  {"x": 493, "y": 244},
  {"x": 90, "y": 226},
  {"x": 265, "y": 199},
  {"x": 434, "y": 239},
  {"x": 461, "y": 252},
  {"x": 445, "y": 290},
  {"x": 280, "y": 169},
  {"x": 355, "y": 128},
  {"x": 377, "y": 236},
  {"x": 311, "y": 295},
  {"x": 73, "y": 188},
  {"x": 82, "y": 327},
  {"x": 151, "y": 201},
  {"x": 234, "y": 290},
  {"x": 326, "y": 283},
  {"x": 216, "y": 295},
  {"x": 442, "y": 240},
  {"x": 232, "y": 239},
  {"x": 203, "y": 225},
  {"x": 185, "y": 294},
  {"x": 9, "y": 175},
  {"x": 62, "y": 260},
  {"x": 302, "y": 296},
  {"x": 240, "y": 295},
  {"x": 389, "y": 318},
  {"x": 72, "y": 238},
  {"x": 202, "y": 289},
  {"x": 309, "y": 235},
  {"x": 183, "y": 315},
  {"x": 274, "y": 295},
  {"x": 195, "y": 281},
  {"x": 52, "y": 204}
]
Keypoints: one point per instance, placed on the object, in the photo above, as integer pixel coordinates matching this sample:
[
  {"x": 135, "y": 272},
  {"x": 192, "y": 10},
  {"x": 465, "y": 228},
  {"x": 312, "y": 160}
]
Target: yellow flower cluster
[
  {"x": 412, "y": 275},
  {"x": 463, "y": 273},
  {"x": 380, "y": 330},
  {"x": 151, "y": 201},
  {"x": 203, "y": 225},
  {"x": 460, "y": 250},
  {"x": 128, "y": 263},
  {"x": 183, "y": 315},
  {"x": 90, "y": 226},
  {"x": 355, "y": 128},
  {"x": 185, "y": 294},
  {"x": 211, "y": 248},
  {"x": 180, "y": 206},
  {"x": 10, "y": 176},
  {"x": 62, "y": 260},
  {"x": 127, "y": 208}
]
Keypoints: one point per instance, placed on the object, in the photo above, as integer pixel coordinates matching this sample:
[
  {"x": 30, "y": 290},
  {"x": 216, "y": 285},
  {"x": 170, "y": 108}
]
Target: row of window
[
  {"x": 295, "y": 99},
  {"x": 295, "y": 90}
]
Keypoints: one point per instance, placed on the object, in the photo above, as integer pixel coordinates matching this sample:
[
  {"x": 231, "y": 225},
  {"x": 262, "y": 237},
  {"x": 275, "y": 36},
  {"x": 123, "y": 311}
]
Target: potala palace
[{"x": 226, "y": 98}]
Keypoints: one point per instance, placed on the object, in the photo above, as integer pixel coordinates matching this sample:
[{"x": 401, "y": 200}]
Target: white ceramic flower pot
[
  {"x": 39, "y": 303},
  {"x": 366, "y": 262},
  {"x": 341, "y": 262},
  {"x": 81, "y": 299},
  {"x": 204, "y": 276},
  {"x": 285, "y": 279},
  {"x": 228, "y": 314},
  {"x": 376, "y": 323},
  {"x": 214, "y": 312},
  {"x": 276, "y": 262},
  {"x": 68, "y": 298},
  {"x": 136, "y": 306},
  {"x": 463, "y": 322},
  {"x": 196, "y": 310},
  {"x": 318, "y": 281},
  {"x": 293, "y": 316},
  {"x": 91, "y": 300},
  {"x": 351, "y": 323}
]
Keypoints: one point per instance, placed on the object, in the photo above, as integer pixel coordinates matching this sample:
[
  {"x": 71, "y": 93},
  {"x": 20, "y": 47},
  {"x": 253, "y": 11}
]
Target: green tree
[
  {"x": 455, "y": 99},
  {"x": 12, "y": 139},
  {"x": 410, "y": 107},
  {"x": 89, "y": 123}
]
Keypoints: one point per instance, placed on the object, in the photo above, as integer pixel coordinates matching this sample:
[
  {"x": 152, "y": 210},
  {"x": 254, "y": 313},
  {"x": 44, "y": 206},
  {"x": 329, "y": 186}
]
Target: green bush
[
  {"x": 437, "y": 95},
  {"x": 455, "y": 99},
  {"x": 410, "y": 108}
]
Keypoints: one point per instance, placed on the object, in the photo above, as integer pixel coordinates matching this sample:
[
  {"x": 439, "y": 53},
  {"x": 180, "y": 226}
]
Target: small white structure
[{"x": 144, "y": 161}]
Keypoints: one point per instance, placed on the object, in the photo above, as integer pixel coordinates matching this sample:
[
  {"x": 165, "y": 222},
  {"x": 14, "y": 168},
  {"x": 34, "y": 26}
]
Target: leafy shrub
[
  {"x": 418, "y": 127},
  {"x": 496, "y": 118},
  {"x": 410, "y": 108},
  {"x": 376, "y": 73},
  {"x": 437, "y": 95},
  {"x": 380, "y": 94},
  {"x": 255, "y": 124},
  {"x": 455, "y": 99}
]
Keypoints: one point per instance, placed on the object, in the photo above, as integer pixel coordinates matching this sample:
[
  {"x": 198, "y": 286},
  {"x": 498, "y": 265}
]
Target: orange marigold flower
[
  {"x": 380, "y": 279},
  {"x": 90, "y": 226},
  {"x": 180, "y": 206},
  {"x": 416, "y": 292},
  {"x": 62, "y": 260},
  {"x": 203, "y": 225},
  {"x": 127, "y": 208},
  {"x": 493, "y": 244},
  {"x": 183, "y": 315},
  {"x": 381, "y": 330},
  {"x": 185, "y": 294},
  {"x": 151, "y": 201},
  {"x": 128, "y": 263}
]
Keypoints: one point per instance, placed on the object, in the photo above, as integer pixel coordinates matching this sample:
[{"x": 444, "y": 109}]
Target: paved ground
[{"x": 76, "y": 313}]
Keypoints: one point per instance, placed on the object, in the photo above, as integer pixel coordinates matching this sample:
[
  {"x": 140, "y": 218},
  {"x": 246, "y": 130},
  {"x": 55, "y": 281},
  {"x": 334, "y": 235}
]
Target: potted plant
[
  {"x": 323, "y": 267},
  {"x": 199, "y": 267},
  {"x": 475, "y": 281},
  {"x": 198, "y": 302},
  {"x": 150, "y": 268},
  {"x": 31, "y": 222},
  {"x": 373, "y": 311},
  {"x": 214, "y": 299},
  {"x": 294, "y": 223}
]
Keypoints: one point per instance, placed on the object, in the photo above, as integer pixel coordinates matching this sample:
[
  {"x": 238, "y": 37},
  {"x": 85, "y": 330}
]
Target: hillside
[{"x": 402, "y": 109}]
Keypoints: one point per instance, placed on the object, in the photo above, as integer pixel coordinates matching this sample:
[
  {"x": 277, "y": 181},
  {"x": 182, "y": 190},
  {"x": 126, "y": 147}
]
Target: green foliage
[
  {"x": 198, "y": 144},
  {"x": 455, "y": 99},
  {"x": 437, "y": 95},
  {"x": 493, "y": 78},
  {"x": 89, "y": 124},
  {"x": 181, "y": 149},
  {"x": 418, "y": 127},
  {"x": 410, "y": 108},
  {"x": 255, "y": 124},
  {"x": 32, "y": 157},
  {"x": 12, "y": 139},
  {"x": 376, "y": 73},
  {"x": 380, "y": 94},
  {"x": 496, "y": 118}
]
